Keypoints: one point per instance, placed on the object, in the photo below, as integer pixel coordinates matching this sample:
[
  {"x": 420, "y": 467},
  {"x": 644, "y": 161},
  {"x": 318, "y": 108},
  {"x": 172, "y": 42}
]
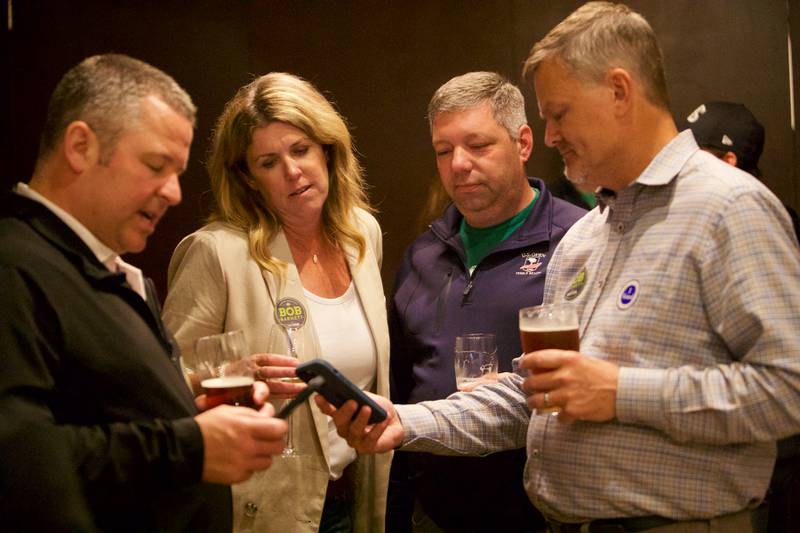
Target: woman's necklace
[{"x": 304, "y": 248}]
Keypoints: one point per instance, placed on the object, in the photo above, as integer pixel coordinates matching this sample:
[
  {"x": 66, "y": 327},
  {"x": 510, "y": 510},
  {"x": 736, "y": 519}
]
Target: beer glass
[
  {"x": 475, "y": 359},
  {"x": 223, "y": 369},
  {"x": 549, "y": 326}
]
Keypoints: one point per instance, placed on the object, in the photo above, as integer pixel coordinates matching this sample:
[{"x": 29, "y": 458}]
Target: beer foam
[
  {"x": 548, "y": 328},
  {"x": 227, "y": 382}
]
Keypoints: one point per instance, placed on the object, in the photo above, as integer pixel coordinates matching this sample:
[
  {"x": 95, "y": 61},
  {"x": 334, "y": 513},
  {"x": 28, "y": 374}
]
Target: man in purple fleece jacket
[{"x": 471, "y": 272}]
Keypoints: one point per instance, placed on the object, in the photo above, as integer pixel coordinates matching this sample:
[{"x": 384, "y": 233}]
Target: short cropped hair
[
  {"x": 473, "y": 88},
  {"x": 282, "y": 97},
  {"x": 600, "y": 36},
  {"x": 105, "y": 91}
]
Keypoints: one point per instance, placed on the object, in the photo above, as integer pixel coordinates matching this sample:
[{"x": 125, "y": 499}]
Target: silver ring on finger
[{"x": 547, "y": 399}]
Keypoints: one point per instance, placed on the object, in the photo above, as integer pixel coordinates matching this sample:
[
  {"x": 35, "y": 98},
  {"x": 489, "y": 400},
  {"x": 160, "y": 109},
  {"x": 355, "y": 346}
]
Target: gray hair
[
  {"x": 105, "y": 91},
  {"x": 473, "y": 88},
  {"x": 600, "y": 36}
]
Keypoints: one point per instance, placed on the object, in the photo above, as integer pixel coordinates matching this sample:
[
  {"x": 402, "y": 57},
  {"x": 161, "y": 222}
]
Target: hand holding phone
[{"x": 323, "y": 378}]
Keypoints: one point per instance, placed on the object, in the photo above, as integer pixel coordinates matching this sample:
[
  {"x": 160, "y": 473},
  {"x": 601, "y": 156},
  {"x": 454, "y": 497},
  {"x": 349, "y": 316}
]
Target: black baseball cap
[{"x": 730, "y": 127}]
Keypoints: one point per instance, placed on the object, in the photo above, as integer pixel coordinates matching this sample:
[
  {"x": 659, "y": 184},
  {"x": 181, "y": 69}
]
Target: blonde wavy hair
[{"x": 286, "y": 98}]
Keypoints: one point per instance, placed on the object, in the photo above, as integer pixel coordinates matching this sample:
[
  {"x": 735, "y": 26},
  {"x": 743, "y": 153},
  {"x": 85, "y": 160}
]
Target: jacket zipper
[
  {"x": 468, "y": 288},
  {"x": 442, "y": 299}
]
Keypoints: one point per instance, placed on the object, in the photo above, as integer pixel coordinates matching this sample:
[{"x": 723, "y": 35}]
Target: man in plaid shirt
[{"x": 687, "y": 282}]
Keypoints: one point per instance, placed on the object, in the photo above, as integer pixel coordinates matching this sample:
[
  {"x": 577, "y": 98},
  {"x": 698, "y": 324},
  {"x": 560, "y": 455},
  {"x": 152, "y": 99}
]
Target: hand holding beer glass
[
  {"x": 223, "y": 369},
  {"x": 549, "y": 326}
]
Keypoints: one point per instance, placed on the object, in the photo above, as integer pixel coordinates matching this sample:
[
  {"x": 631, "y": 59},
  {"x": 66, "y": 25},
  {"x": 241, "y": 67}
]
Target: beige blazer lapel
[{"x": 290, "y": 286}]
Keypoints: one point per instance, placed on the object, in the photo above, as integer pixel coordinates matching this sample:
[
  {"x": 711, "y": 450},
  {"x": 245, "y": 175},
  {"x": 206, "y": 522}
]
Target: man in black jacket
[{"x": 98, "y": 428}]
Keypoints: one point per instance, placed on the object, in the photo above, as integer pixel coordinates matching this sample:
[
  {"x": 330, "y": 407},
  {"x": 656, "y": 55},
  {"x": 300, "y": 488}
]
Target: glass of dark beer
[
  {"x": 549, "y": 326},
  {"x": 223, "y": 369}
]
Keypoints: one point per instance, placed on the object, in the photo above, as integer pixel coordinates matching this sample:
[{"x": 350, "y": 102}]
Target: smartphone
[
  {"x": 302, "y": 396},
  {"x": 335, "y": 387}
]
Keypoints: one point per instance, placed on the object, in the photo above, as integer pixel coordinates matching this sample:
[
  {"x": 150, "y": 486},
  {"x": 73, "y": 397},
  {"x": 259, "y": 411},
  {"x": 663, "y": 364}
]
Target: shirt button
[
  {"x": 620, "y": 227},
  {"x": 250, "y": 509},
  {"x": 535, "y": 452}
]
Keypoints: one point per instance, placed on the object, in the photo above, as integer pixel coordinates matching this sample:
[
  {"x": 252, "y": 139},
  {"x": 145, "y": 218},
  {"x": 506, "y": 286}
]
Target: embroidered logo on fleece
[{"x": 531, "y": 264}]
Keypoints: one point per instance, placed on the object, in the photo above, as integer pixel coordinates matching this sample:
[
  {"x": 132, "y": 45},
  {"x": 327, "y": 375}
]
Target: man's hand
[
  {"x": 238, "y": 441},
  {"x": 584, "y": 388},
  {"x": 377, "y": 438}
]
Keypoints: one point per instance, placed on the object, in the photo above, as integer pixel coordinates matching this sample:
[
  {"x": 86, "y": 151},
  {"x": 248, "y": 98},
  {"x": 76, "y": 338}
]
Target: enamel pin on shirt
[
  {"x": 577, "y": 285},
  {"x": 628, "y": 295}
]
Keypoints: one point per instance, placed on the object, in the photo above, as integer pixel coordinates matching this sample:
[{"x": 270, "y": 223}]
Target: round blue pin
[{"x": 628, "y": 295}]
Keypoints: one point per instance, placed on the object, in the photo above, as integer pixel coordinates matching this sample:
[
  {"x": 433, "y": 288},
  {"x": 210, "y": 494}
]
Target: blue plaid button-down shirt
[{"x": 689, "y": 280}]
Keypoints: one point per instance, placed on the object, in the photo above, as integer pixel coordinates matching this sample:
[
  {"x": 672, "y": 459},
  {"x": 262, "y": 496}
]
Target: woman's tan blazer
[{"x": 215, "y": 286}]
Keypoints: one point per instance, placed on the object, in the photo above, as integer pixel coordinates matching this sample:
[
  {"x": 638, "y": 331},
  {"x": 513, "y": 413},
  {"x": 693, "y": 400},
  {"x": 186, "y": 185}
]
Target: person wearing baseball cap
[{"x": 732, "y": 133}]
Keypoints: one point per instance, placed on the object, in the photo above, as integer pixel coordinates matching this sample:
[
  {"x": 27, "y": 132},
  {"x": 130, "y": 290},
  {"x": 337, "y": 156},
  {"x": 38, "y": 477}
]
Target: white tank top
[{"x": 346, "y": 342}]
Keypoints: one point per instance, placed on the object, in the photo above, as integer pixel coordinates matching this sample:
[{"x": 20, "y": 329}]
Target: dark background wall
[{"x": 379, "y": 61}]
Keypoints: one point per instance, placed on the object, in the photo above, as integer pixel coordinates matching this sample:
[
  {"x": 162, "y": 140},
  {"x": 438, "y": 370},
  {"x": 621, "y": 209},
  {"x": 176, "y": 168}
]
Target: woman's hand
[{"x": 275, "y": 369}]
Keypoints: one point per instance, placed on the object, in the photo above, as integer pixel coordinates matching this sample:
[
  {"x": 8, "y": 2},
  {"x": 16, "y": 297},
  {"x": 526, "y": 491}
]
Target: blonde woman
[{"x": 291, "y": 224}]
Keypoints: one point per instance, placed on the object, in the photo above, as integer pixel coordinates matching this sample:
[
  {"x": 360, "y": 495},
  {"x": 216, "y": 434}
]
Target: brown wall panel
[
  {"x": 734, "y": 50},
  {"x": 204, "y": 48},
  {"x": 794, "y": 30},
  {"x": 380, "y": 61}
]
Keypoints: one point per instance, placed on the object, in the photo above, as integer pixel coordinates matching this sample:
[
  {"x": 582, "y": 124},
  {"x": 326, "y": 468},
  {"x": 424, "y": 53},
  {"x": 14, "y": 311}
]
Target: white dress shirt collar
[{"x": 104, "y": 254}]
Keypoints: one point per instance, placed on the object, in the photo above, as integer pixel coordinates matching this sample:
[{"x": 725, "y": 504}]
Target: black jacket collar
[{"x": 53, "y": 230}]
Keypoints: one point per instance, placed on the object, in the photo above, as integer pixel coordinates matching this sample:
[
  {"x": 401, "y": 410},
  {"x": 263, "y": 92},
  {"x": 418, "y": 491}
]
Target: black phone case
[{"x": 337, "y": 389}]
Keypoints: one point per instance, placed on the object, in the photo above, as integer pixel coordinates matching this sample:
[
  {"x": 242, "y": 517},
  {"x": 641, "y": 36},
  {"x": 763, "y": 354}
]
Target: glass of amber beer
[
  {"x": 223, "y": 369},
  {"x": 549, "y": 326}
]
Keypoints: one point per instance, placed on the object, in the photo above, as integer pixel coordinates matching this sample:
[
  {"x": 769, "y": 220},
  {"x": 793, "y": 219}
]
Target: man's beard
[{"x": 576, "y": 178}]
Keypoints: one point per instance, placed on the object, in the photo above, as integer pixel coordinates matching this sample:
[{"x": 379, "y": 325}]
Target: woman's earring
[
  {"x": 252, "y": 184},
  {"x": 248, "y": 180}
]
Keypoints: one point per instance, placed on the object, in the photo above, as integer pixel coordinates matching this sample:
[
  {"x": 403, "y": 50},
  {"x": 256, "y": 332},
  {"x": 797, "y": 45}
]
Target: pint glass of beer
[
  {"x": 223, "y": 369},
  {"x": 549, "y": 326}
]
